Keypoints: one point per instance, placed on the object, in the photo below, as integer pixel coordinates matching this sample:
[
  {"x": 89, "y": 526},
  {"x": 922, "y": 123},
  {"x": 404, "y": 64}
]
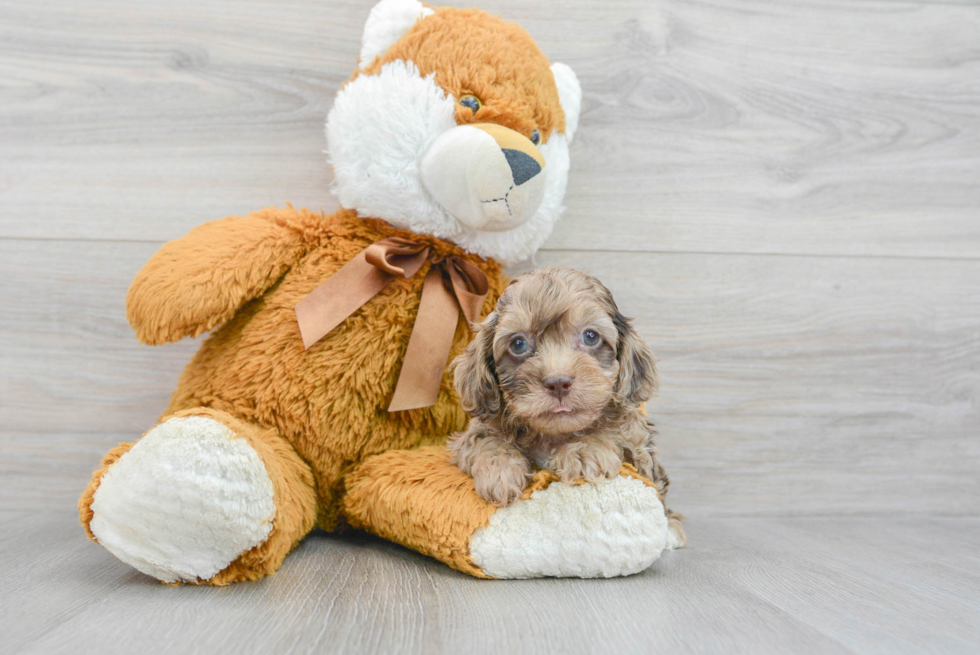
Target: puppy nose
[{"x": 558, "y": 385}]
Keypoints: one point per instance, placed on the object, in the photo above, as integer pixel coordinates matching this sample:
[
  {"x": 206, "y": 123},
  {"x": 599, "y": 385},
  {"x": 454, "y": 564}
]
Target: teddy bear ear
[
  {"x": 570, "y": 96},
  {"x": 389, "y": 21}
]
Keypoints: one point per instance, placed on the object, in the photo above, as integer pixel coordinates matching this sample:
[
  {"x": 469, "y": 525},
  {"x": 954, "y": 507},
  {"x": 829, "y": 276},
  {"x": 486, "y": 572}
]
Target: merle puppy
[{"x": 555, "y": 378}]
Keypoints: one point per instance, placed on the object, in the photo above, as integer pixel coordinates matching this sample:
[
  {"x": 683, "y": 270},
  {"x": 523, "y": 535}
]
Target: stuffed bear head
[{"x": 455, "y": 126}]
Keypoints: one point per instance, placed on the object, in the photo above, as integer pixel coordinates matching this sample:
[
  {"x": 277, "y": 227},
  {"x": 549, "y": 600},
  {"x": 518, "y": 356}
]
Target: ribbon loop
[
  {"x": 431, "y": 340},
  {"x": 470, "y": 285},
  {"x": 397, "y": 256}
]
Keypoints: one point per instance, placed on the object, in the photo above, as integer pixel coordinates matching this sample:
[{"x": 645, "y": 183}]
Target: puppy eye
[
  {"x": 536, "y": 137},
  {"x": 471, "y": 102},
  {"x": 518, "y": 346},
  {"x": 590, "y": 338}
]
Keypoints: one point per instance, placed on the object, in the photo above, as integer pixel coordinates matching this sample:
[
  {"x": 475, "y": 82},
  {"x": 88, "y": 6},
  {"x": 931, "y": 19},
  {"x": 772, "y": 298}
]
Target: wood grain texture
[
  {"x": 784, "y": 194},
  {"x": 745, "y": 586},
  {"x": 791, "y": 385},
  {"x": 806, "y": 127}
]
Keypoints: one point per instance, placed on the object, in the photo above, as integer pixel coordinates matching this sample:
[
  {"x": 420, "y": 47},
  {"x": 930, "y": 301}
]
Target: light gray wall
[{"x": 785, "y": 195}]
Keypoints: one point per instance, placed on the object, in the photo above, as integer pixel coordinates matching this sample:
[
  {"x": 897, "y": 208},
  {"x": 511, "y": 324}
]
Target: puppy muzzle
[{"x": 487, "y": 176}]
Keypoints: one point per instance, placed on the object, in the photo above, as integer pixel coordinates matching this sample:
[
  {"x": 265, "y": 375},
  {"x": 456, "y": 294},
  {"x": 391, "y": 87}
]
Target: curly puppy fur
[{"x": 555, "y": 378}]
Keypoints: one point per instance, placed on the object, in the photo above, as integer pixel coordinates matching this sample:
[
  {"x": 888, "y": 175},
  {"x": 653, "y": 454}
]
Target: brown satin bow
[{"x": 450, "y": 285}]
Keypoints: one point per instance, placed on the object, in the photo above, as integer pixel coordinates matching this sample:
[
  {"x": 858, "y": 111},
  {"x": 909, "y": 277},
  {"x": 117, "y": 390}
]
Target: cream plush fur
[
  {"x": 614, "y": 528},
  {"x": 189, "y": 498}
]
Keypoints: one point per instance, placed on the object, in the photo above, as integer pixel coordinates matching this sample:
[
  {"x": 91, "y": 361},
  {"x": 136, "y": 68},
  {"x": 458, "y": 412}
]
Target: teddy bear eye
[
  {"x": 472, "y": 102},
  {"x": 536, "y": 137},
  {"x": 590, "y": 338},
  {"x": 518, "y": 346}
]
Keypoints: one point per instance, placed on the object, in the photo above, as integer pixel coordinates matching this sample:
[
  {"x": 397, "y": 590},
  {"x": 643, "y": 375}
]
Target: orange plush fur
[
  {"x": 314, "y": 416},
  {"x": 516, "y": 91}
]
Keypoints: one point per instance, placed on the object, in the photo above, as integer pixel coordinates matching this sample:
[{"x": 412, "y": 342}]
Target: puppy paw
[
  {"x": 584, "y": 460},
  {"x": 501, "y": 480}
]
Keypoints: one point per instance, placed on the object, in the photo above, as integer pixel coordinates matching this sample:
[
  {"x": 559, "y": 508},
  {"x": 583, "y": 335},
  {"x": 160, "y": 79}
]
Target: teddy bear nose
[
  {"x": 558, "y": 385},
  {"x": 487, "y": 176},
  {"x": 522, "y": 165}
]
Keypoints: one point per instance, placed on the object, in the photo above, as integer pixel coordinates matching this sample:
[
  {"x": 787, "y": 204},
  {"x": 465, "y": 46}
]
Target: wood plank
[
  {"x": 66, "y": 347},
  {"x": 791, "y": 385},
  {"x": 745, "y": 586},
  {"x": 808, "y": 127}
]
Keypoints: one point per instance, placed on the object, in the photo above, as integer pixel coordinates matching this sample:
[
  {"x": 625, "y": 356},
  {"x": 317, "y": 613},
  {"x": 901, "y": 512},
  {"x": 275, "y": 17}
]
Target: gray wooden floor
[
  {"x": 751, "y": 585},
  {"x": 786, "y": 194}
]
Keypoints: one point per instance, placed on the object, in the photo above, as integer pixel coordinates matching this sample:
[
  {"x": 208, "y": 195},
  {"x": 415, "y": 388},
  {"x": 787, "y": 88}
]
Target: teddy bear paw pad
[
  {"x": 185, "y": 501},
  {"x": 613, "y": 528}
]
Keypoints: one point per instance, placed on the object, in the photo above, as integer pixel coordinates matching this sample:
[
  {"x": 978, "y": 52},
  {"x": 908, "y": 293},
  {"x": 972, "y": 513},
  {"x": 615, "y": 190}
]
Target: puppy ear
[
  {"x": 638, "y": 378},
  {"x": 475, "y": 374}
]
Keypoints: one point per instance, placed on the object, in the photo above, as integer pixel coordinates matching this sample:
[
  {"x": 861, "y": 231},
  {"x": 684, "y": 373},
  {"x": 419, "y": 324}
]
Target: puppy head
[{"x": 553, "y": 354}]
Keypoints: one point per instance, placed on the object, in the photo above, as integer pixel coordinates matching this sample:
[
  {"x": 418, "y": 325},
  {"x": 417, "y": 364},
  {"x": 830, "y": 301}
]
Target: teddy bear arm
[
  {"x": 418, "y": 499},
  {"x": 199, "y": 281}
]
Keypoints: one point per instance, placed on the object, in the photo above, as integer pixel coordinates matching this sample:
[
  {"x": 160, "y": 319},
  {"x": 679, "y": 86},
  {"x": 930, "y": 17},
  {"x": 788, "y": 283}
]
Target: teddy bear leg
[
  {"x": 202, "y": 497},
  {"x": 419, "y": 499}
]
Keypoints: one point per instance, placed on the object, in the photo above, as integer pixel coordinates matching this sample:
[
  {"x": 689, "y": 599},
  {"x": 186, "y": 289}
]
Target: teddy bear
[{"x": 321, "y": 397}]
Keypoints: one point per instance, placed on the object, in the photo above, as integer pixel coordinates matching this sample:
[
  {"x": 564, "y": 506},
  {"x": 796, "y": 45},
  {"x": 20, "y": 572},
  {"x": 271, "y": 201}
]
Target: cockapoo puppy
[{"x": 555, "y": 378}]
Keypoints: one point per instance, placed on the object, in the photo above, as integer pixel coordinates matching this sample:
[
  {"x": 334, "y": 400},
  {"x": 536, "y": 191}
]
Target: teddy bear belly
[{"x": 329, "y": 401}]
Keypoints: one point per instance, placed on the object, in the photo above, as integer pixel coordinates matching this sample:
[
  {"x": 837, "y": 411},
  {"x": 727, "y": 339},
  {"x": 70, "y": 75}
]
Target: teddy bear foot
[
  {"x": 184, "y": 502},
  {"x": 613, "y": 528}
]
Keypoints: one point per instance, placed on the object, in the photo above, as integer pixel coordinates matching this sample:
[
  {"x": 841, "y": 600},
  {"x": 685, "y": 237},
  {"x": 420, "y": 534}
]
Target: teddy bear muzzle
[{"x": 489, "y": 177}]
